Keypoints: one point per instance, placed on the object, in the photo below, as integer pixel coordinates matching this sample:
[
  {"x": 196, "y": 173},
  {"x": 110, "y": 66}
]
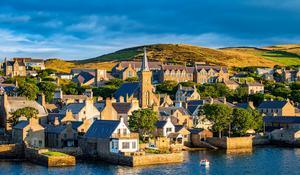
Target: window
[
  {"x": 125, "y": 145},
  {"x": 125, "y": 131},
  {"x": 114, "y": 145},
  {"x": 133, "y": 145},
  {"x": 169, "y": 129}
]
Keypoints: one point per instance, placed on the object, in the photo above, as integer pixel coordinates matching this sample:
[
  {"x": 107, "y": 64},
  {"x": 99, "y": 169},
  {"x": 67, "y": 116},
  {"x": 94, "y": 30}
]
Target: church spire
[{"x": 145, "y": 66}]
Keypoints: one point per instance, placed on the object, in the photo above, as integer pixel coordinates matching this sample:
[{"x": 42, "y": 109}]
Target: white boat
[{"x": 204, "y": 162}]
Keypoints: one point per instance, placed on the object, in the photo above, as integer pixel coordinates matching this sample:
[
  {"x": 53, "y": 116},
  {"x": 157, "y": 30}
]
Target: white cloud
[{"x": 11, "y": 18}]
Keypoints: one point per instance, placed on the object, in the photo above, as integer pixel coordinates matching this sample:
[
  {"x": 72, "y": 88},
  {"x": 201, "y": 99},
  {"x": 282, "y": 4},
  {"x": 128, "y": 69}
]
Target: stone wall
[
  {"x": 11, "y": 151},
  {"x": 37, "y": 156},
  {"x": 151, "y": 159},
  {"x": 232, "y": 142}
]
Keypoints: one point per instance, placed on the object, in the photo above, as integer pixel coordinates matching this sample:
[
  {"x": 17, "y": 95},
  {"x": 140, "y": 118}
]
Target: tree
[
  {"x": 168, "y": 87},
  {"x": 105, "y": 91},
  {"x": 295, "y": 85},
  {"x": 48, "y": 88},
  {"x": 27, "y": 112},
  {"x": 242, "y": 120},
  {"x": 132, "y": 79},
  {"x": 219, "y": 115},
  {"x": 143, "y": 121},
  {"x": 70, "y": 89},
  {"x": 295, "y": 96},
  {"x": 281, "y": 92},
  {"x": 241, "y": 94},
  {"x": 28, "y": 90},
  {"x": 115, "y": 82}
]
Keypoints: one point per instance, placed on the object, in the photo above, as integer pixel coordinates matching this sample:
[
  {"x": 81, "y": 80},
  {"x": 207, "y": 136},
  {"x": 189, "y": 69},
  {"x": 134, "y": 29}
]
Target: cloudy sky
[{"x": 77, "y": 29}]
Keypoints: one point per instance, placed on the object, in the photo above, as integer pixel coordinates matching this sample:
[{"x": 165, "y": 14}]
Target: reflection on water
[
  {"x": 269, "y": 160},
  {"x": 245, "y": 151}
]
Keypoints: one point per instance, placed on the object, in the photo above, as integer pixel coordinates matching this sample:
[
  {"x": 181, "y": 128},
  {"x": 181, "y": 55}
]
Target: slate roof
[
  {"x": 84, "y": 77},
  {"x": 74, "y": 107},
  {"x": 76, "y": 124},
  {"x": 173, "y": 135},
  {"x": 195, "y": 130},
  {"x": 169, "y": 110},
  {"x": 138, "y": 65},
  {"x": 281, "y": 119},
  {"x": 127, "y": 88},
  {"x": 122, "y": 108},
  {"x": 21, "y": 125},
  {"x": 192, "y": 109},
  {"x": 102, "y": 128},
  {"x": 77, "y": 71},
  {"x": 11, "y": 63},
  {"x": 178, "y": 127},
  {"x": 54, "y": 129},
  {"x": 242, "y": 105},
  {"x": 195, "y": 102},
  {"x": 273, "y": 104},
  {"x": 160, "y": 124},
  {"x": 51, "y": 117},
  {"x": 207, "y": 68}
]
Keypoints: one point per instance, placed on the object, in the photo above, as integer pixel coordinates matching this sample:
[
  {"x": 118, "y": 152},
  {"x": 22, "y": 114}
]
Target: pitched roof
[
  {"x": 215, "y": 68},
  {"x": 15, "y": 103},
  {"x": 54, "y": 129},
  {"x": 167, "y": 111},
  {"x": 138, "y": 65},
  {"x": 160, "y": 123},
  {"x": 74, "y": 107},
  {"x": 178, "y": 127},
  {"x": 127, "y": 88},
  {"x": 174, "y": 135},
  {"x": 281, "y": 119},
  {"x": 273, "y": 104},
  {"x": 122, "y": 108},
  {"x": 84, "y": 77},
  {"x": 76, "y": 124},
  {"x": 21, "y": 125},
  {"x": 102, "y": 128},
  {"x": 195, "y": 130},
  {"x": 51, "y": 117}
]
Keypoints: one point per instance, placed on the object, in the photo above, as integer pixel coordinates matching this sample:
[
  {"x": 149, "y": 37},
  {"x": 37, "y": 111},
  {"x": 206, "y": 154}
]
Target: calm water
[{"x": 263, "y": 161}]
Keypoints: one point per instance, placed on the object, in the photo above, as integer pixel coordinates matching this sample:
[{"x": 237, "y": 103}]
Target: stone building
[
  {"x": 276, "y": 108},
  {"x": 142, "y": 90},
  {"x": 187, "y": 93},
  {"x": 37, "y": 64},
  {"x": 14, "y": 68},
  {"x": 89, "y": 77},
  {"x": 178, "y": 73},
  {"x": 210, "y": 74},
  {"x": 30, "y": 133},
  {"x": 178, "y": 115},
  {"x": 130, "y": 69},
  {"x": 11, "y": 104},
  {"x": 109, "y": 136},
  {"x": 231, "y": 84},
  {"x": 254, "y": 88},
  {"x": 291, "y": 75},
  {"x": 164, "y": 128}
]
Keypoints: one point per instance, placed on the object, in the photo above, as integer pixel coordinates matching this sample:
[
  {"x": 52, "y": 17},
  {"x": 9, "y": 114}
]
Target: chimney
[
  {"x": 121, "y": 99},
  {"x": 113, "y": 100},
  {"x": 41, "y": 99},
  {"x": 100, "y": 99},
  {"x": 135, "y": 103}
]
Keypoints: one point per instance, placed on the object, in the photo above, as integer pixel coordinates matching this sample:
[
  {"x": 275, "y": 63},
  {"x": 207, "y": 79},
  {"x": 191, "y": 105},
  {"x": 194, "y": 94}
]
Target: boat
[{"x": 204, "y": 162}]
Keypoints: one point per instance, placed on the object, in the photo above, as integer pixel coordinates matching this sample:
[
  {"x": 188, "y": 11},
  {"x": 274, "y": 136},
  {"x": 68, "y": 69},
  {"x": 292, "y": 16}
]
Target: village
[{"x": 143, "y": 112}]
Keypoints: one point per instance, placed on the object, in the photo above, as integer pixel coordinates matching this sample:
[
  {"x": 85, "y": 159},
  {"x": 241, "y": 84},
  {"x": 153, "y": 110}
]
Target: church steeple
[{"x": 145, "y": 66}]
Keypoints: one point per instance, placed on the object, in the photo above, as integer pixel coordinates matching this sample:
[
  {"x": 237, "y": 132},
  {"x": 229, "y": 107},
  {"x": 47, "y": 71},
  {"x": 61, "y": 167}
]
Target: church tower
[{"x": 147, "y": 97}]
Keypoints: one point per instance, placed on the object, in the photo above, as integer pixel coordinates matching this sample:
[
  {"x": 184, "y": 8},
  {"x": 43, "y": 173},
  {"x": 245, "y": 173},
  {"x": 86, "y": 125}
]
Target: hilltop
[{"x": 181, "y": 53}]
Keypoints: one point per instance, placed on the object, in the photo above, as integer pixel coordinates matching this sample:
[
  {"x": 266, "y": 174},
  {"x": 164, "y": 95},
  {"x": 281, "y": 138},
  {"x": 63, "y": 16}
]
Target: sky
[{"x": 79, "y": 29}]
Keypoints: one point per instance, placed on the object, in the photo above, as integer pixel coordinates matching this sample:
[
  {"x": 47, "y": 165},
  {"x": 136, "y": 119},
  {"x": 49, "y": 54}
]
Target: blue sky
[{"x": 77, "y": 29}]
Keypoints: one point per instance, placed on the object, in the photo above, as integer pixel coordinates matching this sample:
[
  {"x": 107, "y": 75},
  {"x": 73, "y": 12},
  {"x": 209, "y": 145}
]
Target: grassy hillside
[
  {"x": 180, "y": 53},
  {"x": 282, "y": 54}
]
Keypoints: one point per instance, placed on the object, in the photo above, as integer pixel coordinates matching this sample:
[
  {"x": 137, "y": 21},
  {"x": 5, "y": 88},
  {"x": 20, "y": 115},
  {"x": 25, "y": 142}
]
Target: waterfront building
[
  {"x": 197, "y": 135},
  {"x": 164, "y": 128},
  {"x": 30, "y": 133},
  {"x": 277, "y": 108},
  {"x": 109, "y": 136},
  {"x": 184, "y": 132},
  {"x": 278, "y": 122}
]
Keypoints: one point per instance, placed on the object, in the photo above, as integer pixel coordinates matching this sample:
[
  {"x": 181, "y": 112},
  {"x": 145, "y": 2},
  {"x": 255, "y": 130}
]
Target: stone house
[
  {"x": 61, "y": 135},
  {"x": 291, "y": 75},
  {"x": 210, "y": 74},
  {"x": 187, "y": 93},
  {"x": 254, "y": 88},
  {"x": 276, "y": 108},
  {"x": 30, "y": 133},
  {"x": 178, "y": 73},
  {"x": 184, "y": 132},
  {"x": 285, "y": 135},
  {"x": 125, "y": 109},
  {"x": 129, "y": 69},
  {"x": 109, "y": 136},
  {"x": 10, "y": 104},
  {"x": 278, "y": 122},
  {"x": 178, "y": 115},
  {"x": 231, "y": 84},
  {"x": 108, "y": 112},
  {"x": 198, "y": 134},
  {"x": 59, "y": 97},
  {"x": 164, "y": 128},
  {"x": 92, "y": 77},
  {"x": 87, "y": 110},
  {"x": 175, "y": 138},
  {"x": 165, "y": 100},
  {"x": 14, "y": 68}
]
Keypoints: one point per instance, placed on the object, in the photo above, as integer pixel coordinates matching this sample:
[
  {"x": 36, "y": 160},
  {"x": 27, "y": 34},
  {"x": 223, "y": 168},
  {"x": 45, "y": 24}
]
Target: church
[{"x": 143, "y": 90}]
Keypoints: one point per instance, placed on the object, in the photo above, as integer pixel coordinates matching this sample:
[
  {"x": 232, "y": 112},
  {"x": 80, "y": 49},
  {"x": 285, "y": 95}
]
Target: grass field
[{"x": 53, "y": 153}]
